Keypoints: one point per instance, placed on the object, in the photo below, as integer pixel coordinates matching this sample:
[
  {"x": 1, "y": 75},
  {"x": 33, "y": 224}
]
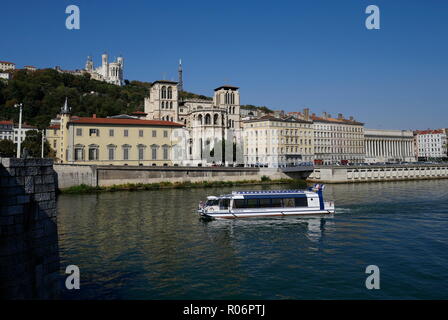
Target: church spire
[
  {"x": 180, "y": 85},
  {"x": 65, "y": 109}
]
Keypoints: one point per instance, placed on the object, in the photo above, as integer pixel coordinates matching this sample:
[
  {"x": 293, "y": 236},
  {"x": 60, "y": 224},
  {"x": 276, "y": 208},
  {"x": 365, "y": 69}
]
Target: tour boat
[{"x": 245, "y": 204}]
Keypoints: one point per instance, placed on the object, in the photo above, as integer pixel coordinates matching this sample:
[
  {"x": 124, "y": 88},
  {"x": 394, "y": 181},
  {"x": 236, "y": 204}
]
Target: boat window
[
  {"x": 265, "y": 203},
  {"x": 212, "y": 202},
  {"x": 276, "y": 203},
  {"x": 252, "y": 203},
  {"x": 224, "y": 204},
  {"x": 301, "y": 202},
  {"x": 239, "y": 203},
  {"x": 289, "y": 202}
]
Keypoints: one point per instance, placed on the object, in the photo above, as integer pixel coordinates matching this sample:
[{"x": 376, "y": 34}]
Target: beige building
[
  {"x": 5, "y": 66},
  {"x": 275, "y": 142},
  {"x": 112, "y": 141},
  {"x": 389, "y": 145},
  {"x": 338, "y": 140}
]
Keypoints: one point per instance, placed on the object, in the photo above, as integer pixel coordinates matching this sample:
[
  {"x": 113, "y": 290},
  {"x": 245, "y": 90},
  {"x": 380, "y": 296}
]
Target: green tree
[
  {"x": 33, "y": 145},
  {"x": 7, "y": 149}
]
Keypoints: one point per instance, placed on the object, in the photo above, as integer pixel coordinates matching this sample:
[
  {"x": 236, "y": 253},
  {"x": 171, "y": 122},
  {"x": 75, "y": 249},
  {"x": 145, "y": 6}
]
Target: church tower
[
  {"x": 162, "y": 103},
  {"x": 89, "y": 64},
  {"x": 228, "y": 98},
  {"x": 180, "y": 84},
  {"x": 64, "y": 152}
]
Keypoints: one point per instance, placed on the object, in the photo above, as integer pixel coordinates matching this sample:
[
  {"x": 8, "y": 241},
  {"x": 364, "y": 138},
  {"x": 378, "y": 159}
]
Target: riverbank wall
[
  {"x": 104, "y": 176},
  {"x": 356, "y": 174},
  {"x": 29, "y": 255}
]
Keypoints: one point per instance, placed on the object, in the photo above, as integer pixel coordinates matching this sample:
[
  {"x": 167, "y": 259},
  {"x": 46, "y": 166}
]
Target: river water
[{"x": 150, "y": 245}]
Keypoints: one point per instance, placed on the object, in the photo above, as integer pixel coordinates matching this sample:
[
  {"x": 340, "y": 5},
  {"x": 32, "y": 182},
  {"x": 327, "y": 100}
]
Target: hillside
[{"x": 43, "y": 93}]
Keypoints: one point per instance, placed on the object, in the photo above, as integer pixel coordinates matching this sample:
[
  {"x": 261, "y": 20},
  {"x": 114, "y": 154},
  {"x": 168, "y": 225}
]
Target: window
[
  {"x": 111, "y": 132},
  {"x": 301, "y": 202},
  {"x": 265, "y": 203},
  {"x": 94, "y": 132},
  {"x": 126, "y": 154},
  {"x": 165, "y": 134},
  {"x": 111, "y": 152},
  {"x": 126, "y": 132},
  {"x": 154, "y": 133},
  {"x": 93, "y": 152},
  {"x": 276, "y": 203},
  {"x": 154, "y": 152},
  {"x": 78, "y": 132},
  {"x": 165, "y": 152},
  {"x": 79, "y": 152},
  {"x": 140, "y": 133},
  {"x": 141, "y": 152},
  {"x": 239, "y": 203},
  {"x": 224, "y": 204},
  {"x": 252, "y": 203}
]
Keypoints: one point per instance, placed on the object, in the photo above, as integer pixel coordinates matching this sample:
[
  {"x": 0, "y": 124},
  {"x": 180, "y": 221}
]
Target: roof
[
  {"x": 165, "y": 81},
  {"x": 227, "y": 87},
  {"x": 7, "y": 62},
  {"x": 55, "y": 126},
  {"x": 334, "y": 120},
  {"x": 272, "y": 118},
  {"x": 139, "y": 112},
  {"x": 438, "y": 131},
  {"x": 135, "y": 122},
  {"x": 6, "y": 122},
  {"x": 272, "y": 194}
]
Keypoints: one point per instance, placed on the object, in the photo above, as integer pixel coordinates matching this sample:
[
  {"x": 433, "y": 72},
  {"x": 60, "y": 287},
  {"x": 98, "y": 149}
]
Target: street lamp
[
  {"x": 43, "y": 142},
  {"x": 19, "y": 140}
]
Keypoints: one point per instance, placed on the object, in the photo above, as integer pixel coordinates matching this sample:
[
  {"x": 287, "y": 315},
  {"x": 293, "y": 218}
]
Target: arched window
[
  {"x": 171, "y": 105},
  {"x": 208, "y": 119},
  {"x": 200, "y": 119},
  {"x": 170, "y": 93},
  {"x": 215, "y": 119},
  {"x": 163, "y": 104},
  {"x": 163, "y": 92}
]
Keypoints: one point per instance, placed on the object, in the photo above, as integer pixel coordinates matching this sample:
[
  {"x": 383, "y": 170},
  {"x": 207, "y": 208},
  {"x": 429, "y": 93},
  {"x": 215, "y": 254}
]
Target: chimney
[
  {"x": 94, "y": 115},
  {"x": 340, "y": 117},
  {"x": 351, "y": 118},
  {"x": 306, "y": 114},
  {"x": 328, "y": 115},
  {"x": 324, "y": 115}
]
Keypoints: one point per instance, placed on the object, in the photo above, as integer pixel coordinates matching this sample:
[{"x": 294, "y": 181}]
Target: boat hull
[{"x": 237, "y": 215}]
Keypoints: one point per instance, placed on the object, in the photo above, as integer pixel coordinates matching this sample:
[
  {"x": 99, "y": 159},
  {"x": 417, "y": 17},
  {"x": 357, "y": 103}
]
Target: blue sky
[{"x": 282, "y": 54}]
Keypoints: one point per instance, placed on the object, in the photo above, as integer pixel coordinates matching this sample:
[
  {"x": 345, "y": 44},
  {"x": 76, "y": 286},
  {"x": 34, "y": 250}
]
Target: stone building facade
[
  {"x": 338, "y": 140},
  {"x": 210, "y": 125},
  {"x": 430, "y": 144},
  {"x": 389, "y": 146},
  {"x": 275, "y": 142}
]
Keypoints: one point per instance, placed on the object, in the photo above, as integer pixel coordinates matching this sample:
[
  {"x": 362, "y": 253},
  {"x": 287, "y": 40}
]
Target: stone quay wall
[
  {"x": 73, "y": 175},
  {"x": 29, "y": 253},
  {"x": 355, "y": 174}
]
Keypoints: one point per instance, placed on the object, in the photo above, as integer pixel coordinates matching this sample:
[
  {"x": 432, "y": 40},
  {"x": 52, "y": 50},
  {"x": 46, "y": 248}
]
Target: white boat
[{"x": 245, "y": 204}]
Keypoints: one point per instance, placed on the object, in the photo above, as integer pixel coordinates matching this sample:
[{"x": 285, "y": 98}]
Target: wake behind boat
[{"x": 244, "y": 204}]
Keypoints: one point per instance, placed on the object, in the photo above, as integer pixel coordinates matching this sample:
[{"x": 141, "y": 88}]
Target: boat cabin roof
[{"x": 269, "y": 194}]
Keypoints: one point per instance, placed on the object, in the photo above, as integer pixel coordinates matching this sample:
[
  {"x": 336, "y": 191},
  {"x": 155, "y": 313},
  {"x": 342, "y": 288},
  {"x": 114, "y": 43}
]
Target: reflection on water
[{"x": 151, "y": 245}]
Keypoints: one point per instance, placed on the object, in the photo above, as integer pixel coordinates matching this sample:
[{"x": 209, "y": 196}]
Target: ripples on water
[{"x": 150, "y": 245}]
